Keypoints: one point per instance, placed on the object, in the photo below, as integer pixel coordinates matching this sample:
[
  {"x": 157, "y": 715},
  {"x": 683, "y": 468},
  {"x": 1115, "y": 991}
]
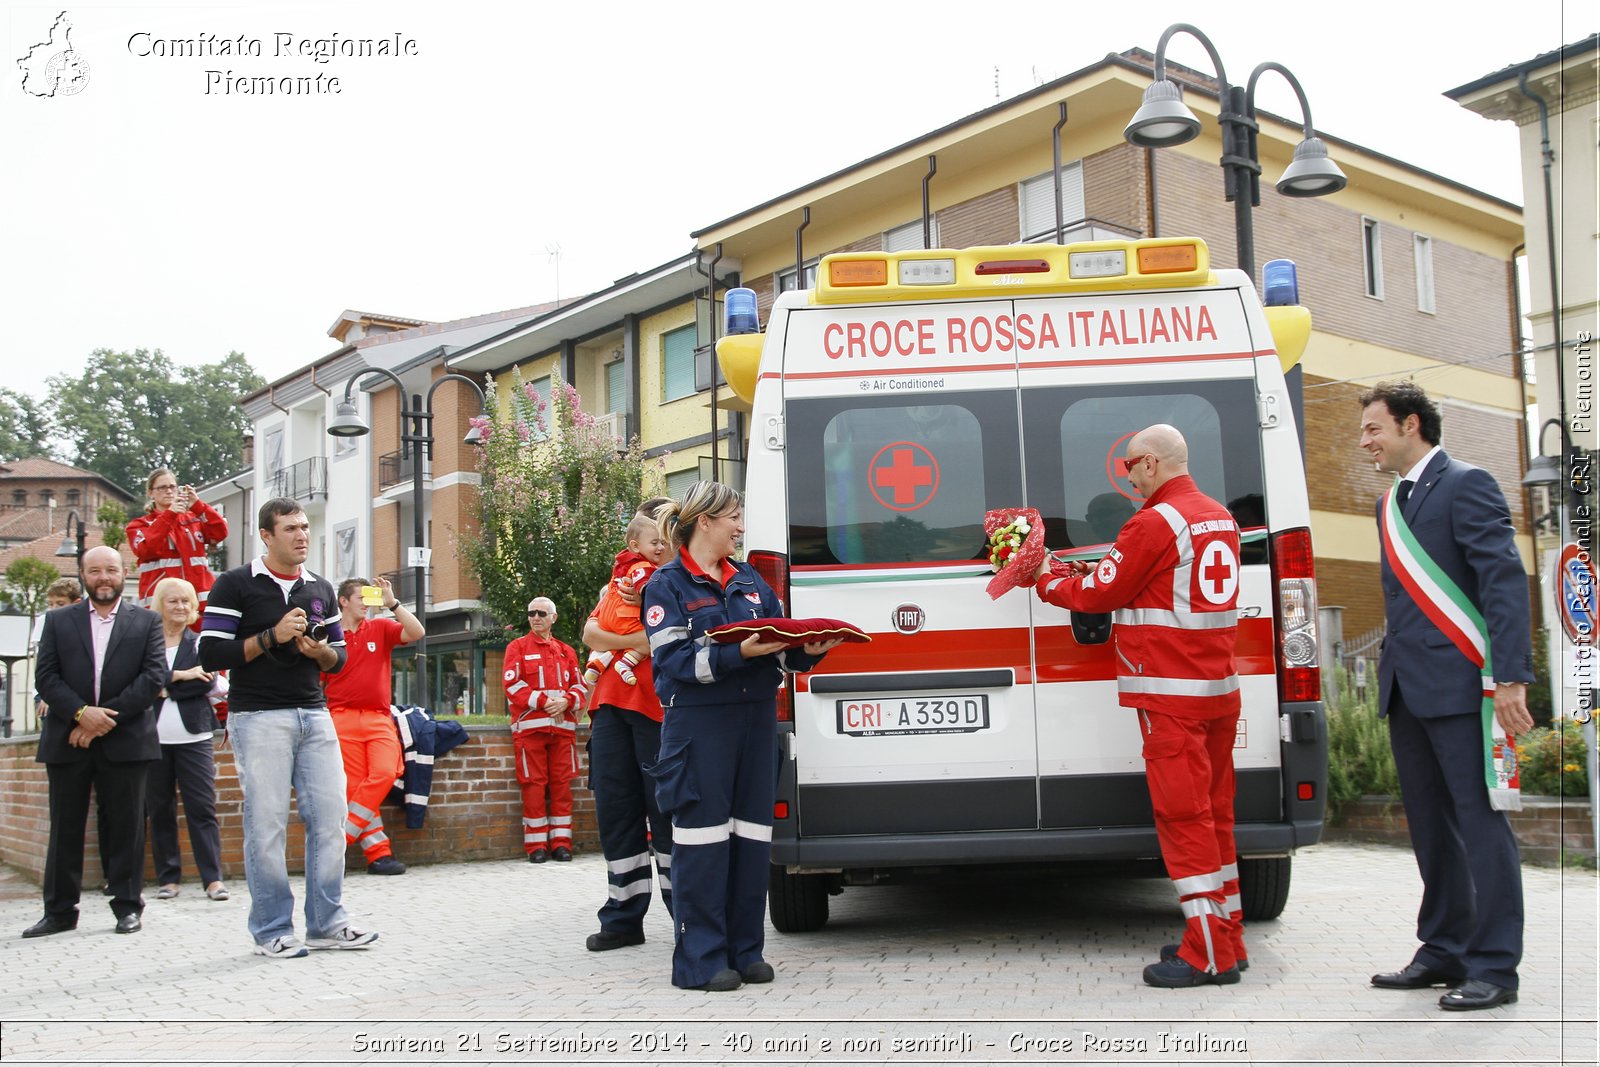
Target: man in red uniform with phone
[{"x": 358, "y": 699}]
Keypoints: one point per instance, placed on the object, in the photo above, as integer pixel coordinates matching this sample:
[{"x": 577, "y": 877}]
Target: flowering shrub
[
  {"x": 1555, "y": 762},
  {"x": 556, "y": 497}
]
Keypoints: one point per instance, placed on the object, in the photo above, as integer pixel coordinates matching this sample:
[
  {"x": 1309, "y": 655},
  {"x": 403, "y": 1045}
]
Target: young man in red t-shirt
[{"x": 358, "y": 700}]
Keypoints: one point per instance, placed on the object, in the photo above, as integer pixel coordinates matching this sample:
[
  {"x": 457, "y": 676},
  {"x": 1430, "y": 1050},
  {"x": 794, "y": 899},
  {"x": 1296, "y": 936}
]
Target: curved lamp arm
[
  {"x": 1205, "y": 42},
  {"x": 349, "y": 386},
  {"x": 1294, "y": 83},
  {"x": 452, "y": 376}
]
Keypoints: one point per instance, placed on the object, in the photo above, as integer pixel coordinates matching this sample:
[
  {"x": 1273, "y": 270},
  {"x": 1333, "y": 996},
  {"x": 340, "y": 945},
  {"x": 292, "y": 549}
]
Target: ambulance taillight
[
  {"x": 1293, "y": 573},
  {"x": 774, "y": 570}
]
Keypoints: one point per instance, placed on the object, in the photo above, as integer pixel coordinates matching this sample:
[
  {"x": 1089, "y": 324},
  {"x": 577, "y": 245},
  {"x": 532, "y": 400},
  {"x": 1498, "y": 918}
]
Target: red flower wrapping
[{"x": 1020, "y": 566}]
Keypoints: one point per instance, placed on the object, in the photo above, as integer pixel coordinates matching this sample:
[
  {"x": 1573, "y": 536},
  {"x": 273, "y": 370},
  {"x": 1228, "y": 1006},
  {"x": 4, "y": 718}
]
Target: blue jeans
[{"x": 274, "y": 749}]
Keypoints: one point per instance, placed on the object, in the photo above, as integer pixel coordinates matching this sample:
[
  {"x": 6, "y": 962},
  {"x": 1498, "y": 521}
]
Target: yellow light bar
[
  {"x": 1167, "y": 259},
  {"x": 943, "y": 273},
  {"x": 850, "y": 272}
]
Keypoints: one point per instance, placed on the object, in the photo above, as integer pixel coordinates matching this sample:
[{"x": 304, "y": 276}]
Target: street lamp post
[
  {"x": 1163, "y": 120},
  {"x": 416, "y": 442},
  {"x": 1567, "y": 473},
  {"x": 68, "y": 548}
]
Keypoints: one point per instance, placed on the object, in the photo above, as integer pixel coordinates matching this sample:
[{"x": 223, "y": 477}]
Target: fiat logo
[{"x": 908, "y": 618}]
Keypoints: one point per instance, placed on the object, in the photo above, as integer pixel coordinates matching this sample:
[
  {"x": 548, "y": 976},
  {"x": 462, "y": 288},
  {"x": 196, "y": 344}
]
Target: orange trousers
[{"x": 370, "y": 745}]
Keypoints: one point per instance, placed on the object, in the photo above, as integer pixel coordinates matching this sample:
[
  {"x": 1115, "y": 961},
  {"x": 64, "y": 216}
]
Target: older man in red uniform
[
  {"x": 544, "y": 694},
  {"x": 1172, "y": 579}
]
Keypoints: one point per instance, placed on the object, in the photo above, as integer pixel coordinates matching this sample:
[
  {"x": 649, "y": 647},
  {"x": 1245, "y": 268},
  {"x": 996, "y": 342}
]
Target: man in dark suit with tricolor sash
[{"x": 1453, "y": 674}]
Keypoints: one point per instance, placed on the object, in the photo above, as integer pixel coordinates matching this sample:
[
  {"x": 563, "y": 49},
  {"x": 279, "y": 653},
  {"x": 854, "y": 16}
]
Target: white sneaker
[
  {"x": 287, "y": 947},
  {"x": 349, "y": 937}
]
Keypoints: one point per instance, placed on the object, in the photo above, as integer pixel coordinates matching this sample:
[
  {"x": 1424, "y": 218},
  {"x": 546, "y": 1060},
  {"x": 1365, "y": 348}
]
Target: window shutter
[
  {"x": 1038, "y": 211},
  {"x": 677, "y": 363},
  {"x": 615, "y": 401}
]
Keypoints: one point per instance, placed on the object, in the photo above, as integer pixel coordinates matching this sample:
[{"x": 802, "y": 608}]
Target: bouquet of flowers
[{"x": 1016, "y": 547}]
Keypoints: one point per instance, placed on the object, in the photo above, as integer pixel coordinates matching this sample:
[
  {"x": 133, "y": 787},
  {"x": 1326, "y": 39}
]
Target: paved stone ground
[{"x": 484, "y": 963}]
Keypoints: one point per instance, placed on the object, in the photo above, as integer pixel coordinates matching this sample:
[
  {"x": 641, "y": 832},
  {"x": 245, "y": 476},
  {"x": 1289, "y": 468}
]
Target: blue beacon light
[
  {"x": 1280, "y": 282},
  {"x": 740, "y": 305}
]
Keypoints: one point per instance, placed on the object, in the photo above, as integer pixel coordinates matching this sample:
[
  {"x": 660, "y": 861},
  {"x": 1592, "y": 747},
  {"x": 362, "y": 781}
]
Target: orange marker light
[
  {"x": 848, "y": 272},
  {"x": 1168, "y": 259}
]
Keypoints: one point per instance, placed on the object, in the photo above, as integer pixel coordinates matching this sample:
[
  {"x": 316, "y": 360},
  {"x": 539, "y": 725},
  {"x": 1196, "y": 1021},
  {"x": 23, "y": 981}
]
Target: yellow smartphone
[{"x": 371, "y": 596}]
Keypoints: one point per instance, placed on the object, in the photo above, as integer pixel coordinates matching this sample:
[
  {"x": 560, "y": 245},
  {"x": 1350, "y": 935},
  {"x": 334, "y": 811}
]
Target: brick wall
[
  {"x": 1116, "y": 187},
  {"x": 475, "y": 812},
  {"x": 1546, "y": 827},
  {"x": 1355, "y": 586},
  {"x": 990, "y": 219},
  {"x": 1473, "y": 322},
  {"x": 1348, "y": 484}
]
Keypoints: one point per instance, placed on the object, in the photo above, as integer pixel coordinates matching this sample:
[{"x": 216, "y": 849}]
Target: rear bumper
[
  {"x": 979, "y": 822},
  {"x": 1017, "y": 846}
]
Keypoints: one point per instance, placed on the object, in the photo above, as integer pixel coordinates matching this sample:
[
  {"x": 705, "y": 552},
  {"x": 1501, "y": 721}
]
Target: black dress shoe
[
  {"x": 50, "y": 924},
  {"x": 1415, "y": 976},
  {"x": 129, "y": 924},
  {"x": 1475, "y": 994},
  {"x": 538, "y": 855},
  {"x": 561, "y": 854},
  {"x": 606, "y": 940}
]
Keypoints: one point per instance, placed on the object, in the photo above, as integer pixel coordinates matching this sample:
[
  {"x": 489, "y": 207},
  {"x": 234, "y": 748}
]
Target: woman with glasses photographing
[{"x": 171, "y": 538}]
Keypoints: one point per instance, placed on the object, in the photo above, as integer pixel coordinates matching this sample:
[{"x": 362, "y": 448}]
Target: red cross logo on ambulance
[
  {"x": 1219, "y": 573},
  {"x": 906, "y": 473}
]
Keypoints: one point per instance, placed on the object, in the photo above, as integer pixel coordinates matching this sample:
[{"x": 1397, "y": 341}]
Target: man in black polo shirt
[{"x": 275, "y": 626}]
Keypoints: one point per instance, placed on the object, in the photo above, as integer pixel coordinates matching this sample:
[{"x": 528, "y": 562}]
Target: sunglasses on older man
[{"x": 538, "y": 613}]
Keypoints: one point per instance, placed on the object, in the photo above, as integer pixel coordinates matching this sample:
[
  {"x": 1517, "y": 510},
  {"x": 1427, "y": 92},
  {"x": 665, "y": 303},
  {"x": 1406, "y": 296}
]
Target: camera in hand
[{"x": 317, "y": 631}]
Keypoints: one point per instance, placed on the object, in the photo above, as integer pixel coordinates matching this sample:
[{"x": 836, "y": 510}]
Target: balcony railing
[
  {"x": 405, "y": 585},
  {"x": 306, "y": 480},
  {"x": 395, "y": 468}
]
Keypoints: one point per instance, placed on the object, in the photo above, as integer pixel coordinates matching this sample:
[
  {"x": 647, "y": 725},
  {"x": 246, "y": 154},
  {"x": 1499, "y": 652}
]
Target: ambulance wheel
[
  {"x": 1263, "y": 887},
  {"x": 798, "y": 903}
]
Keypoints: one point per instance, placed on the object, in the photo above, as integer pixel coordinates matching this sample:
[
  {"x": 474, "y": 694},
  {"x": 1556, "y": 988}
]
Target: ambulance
[{"x": 896, "y": 403}]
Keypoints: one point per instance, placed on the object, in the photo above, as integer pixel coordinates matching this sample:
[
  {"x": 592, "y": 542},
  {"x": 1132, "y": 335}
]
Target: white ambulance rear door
[
  {"x": 901, "y": 430},
  {"x": 1110, "y": 365}
]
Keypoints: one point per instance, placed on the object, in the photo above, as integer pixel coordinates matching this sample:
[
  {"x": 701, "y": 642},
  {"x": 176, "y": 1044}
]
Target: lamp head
[
  {"x": 474, "y": 436},
  {"x": 346, "y": 423},
  {"x": 1163, "y": 120},
  {"x": 1311, "y": 173},
  {"x": 1542, "y": 470},
  {"x": 68, "y": 547}
]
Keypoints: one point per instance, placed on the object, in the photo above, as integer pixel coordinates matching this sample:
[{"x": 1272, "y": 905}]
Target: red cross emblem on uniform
[
  {"x": 903, "y": 476},
  {"x": 1219, "y": 573}
]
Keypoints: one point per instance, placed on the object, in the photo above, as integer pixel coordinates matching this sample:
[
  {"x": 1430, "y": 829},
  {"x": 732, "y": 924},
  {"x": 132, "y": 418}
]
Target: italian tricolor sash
[{"x": 1448, "y": 608}]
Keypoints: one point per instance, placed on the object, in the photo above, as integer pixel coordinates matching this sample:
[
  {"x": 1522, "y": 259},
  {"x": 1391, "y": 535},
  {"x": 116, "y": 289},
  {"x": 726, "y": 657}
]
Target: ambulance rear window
[
  {"x": 876, "y": 480},
  {"x": 1074, "y": 435}
]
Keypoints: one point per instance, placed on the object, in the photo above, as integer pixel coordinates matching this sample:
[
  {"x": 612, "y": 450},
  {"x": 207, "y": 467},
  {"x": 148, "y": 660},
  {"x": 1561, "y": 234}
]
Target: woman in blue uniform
[{"x": 716, "y": 774}]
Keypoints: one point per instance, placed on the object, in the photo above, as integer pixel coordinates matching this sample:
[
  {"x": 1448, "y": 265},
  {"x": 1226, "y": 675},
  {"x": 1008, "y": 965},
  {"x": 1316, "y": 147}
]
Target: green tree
[
  {"x": 131, "y": 412},
  {"x": 112, "y": 518},
  {"x": 26, "y": 581},
  {"x": 22, "y": 426},
  {"x": 556, "y": 498}
]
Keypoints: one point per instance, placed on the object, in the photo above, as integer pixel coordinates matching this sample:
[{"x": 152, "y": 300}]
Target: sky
[{"x": 517, "y": 153}]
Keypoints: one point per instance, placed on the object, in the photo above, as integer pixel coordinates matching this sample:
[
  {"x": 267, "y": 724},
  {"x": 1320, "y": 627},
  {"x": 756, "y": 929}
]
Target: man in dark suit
[
  {"x": 1433, "y": 694},
  {"x": 101, "y": 664}
]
